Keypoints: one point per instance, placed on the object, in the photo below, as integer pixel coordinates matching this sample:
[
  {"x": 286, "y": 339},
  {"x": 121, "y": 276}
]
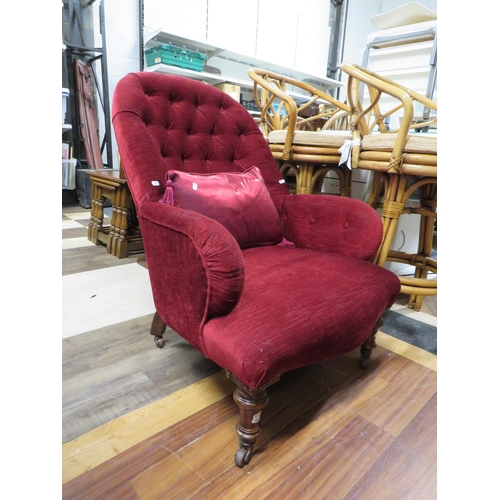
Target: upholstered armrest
[
  {"x": 200, "y": 257},
  {"x": 332, "y": 224}
]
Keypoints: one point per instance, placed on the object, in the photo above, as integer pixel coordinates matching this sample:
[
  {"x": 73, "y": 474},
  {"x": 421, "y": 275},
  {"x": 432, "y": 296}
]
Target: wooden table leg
[
  {"x": 97, "y": 215},
  {"x": 120, "y": 236}
]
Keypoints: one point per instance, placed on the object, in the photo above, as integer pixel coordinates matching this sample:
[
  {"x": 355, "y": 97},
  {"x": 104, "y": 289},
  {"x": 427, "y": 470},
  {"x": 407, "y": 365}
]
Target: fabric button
[
  {"x": 283, "y": 217},
  {"x": 312, "y": 220},
  {"x": 345, "y": 225}
]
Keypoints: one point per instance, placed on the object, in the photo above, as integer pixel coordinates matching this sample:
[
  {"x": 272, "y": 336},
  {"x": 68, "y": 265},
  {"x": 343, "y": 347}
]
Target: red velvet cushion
[
  {"x": 239, "y": 201},
  {"x": 320, "y": 306}
]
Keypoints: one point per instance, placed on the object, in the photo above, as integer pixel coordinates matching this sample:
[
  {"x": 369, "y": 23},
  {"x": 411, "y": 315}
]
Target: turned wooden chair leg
[
  {"x": 369, "y": 344},
  {"x": 158, "y": 328},
  {"x": 250, "y": 403},
  {"x": 248, "y": 427}
]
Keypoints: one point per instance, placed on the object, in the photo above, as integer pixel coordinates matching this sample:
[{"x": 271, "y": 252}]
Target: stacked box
[
  {"x": 175, "y": 56},
  {"x": 232, "y": 90}
]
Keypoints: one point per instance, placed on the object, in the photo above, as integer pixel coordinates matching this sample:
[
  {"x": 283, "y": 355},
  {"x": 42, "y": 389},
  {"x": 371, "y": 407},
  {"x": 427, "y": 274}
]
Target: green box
[{"x": 175, "y": 56}]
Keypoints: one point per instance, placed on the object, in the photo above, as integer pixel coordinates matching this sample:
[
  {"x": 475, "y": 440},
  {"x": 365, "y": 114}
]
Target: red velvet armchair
[{"x": 282, "y": 282}]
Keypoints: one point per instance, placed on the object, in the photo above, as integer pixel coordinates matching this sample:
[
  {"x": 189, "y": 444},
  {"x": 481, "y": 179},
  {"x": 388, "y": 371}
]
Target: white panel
[
  {"x": 277, "y": 32},
  {"x": 233, "y": 25},
  {"x": 402, "y": 56},
  {"x": 318, "y": 9},
  {"x": 313, "y": 37},
  {"x": 312, "y": 47},
  {"x": 182, "y": 18}
]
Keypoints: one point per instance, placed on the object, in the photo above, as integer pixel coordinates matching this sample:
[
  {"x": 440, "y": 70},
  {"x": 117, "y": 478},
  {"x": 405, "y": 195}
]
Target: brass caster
[
  {"x": 242, "y": 456},
  {"x": 159, "y": 342}
]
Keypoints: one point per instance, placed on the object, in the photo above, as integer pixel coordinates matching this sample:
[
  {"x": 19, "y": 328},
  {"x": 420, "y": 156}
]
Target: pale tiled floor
[{"x": 103, "y": 297}]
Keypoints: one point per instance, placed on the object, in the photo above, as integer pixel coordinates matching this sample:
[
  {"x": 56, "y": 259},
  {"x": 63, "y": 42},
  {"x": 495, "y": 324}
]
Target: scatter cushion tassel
[
  {"x": 285, "y": 243},
  {"x": 168, "y": 196}
]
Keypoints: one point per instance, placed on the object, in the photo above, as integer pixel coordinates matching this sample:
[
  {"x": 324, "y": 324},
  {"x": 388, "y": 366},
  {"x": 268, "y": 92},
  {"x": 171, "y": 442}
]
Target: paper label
[
  {"x": 345, "y": 152},
  {"x": 256, "y": 418}
]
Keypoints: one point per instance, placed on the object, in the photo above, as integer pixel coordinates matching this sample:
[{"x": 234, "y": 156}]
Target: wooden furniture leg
[
  {"x": 250, "y": 403},
  {"x": 125, "y": 201},
  {"x": 369, "y": 344},
  {"x": 158, "y": 328},
  {"x": 96, "y": 214}
]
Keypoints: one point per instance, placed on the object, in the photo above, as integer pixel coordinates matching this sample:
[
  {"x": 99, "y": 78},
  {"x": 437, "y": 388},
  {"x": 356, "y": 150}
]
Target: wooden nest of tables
[{"x": 123, "y": 235}]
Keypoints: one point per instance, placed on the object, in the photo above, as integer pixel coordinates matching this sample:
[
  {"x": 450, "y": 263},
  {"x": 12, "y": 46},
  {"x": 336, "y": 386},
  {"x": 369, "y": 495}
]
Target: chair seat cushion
[
  {"x": 322, "y": 312},
  {"x": 416, "y": 143},
  {"x": 327, "y": 138},
  {"x": 239, "y": 201}
]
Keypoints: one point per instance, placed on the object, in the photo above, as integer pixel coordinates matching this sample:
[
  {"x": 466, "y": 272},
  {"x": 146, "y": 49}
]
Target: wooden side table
[{"x": 123, "y": 234}]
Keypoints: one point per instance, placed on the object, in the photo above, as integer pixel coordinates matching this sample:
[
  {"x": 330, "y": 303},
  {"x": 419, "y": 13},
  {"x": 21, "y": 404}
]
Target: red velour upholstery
[
  {"x": 332, "y": 224},
  {"x": 263, "y": 310},
  {"x": 240, "y": 201},
  {"x": 298, "y": 307}
]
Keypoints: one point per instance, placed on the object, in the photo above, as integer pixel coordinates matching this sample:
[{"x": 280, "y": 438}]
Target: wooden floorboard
[
  {"x": 113, "y": 370},
  {"x": 407, "y": 468},
  {"x": 327, "y": 431}
]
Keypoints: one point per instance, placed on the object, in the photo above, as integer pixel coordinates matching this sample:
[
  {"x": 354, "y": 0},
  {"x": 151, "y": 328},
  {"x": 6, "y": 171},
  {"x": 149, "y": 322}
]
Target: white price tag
[
  {"x": 345, "y": 152},
  {"x": 256, "y": 418}
]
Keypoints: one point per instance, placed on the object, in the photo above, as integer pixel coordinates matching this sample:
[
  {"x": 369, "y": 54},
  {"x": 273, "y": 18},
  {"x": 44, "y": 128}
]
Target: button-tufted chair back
[{"x": 174, "y": 123}]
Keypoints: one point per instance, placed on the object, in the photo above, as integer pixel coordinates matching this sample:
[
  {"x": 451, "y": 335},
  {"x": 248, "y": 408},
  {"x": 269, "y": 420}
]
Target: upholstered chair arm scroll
[
  {"x": 200, "y": 258},
  {"x": 332, "y": 224}
]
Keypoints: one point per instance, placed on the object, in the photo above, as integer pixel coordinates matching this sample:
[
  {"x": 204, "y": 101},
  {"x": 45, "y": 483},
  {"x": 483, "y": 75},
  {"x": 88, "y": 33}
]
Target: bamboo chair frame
[
  {"x": 308, "y": 163},
  {"x": 396, "y": 174}
]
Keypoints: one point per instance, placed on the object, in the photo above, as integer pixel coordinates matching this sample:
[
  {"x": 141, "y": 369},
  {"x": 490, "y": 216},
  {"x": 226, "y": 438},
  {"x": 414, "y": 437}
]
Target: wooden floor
[{"x": 147, "y": 423}]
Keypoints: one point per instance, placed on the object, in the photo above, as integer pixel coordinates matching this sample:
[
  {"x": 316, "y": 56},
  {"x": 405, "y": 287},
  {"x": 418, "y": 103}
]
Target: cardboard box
[{"x": 229, "y": 89}]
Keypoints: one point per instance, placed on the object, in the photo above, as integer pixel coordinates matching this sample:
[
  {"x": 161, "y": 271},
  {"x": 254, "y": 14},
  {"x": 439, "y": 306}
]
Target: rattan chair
[
  {"x": 304, "y": 138},
  {"x": 404, "y": 163}
]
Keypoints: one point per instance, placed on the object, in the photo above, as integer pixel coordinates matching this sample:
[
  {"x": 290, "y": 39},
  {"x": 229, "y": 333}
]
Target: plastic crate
[{"x": 175, "y": 56}]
